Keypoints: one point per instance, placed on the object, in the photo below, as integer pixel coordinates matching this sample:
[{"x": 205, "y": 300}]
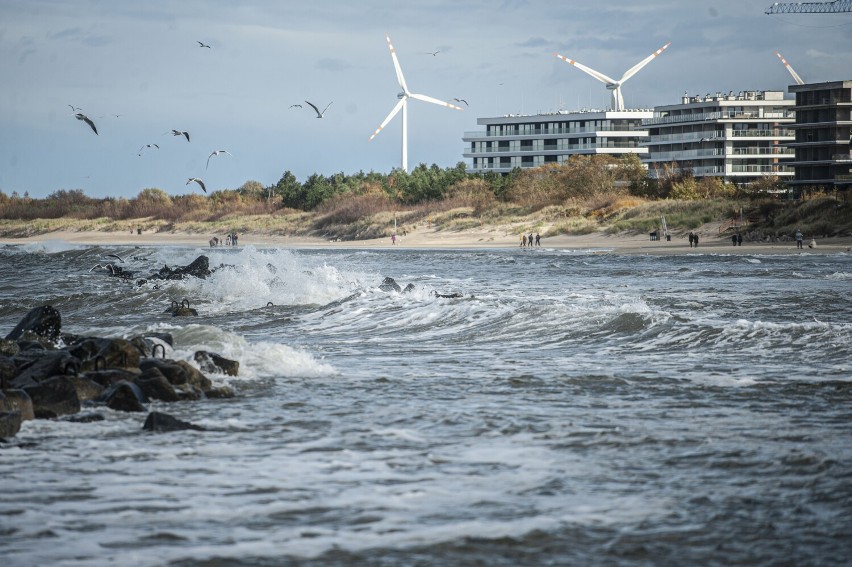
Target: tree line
[{"x": 579, "y": 177}]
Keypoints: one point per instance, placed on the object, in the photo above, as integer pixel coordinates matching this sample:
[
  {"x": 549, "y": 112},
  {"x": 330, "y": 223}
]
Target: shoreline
[{"x": 433, "y": 239}]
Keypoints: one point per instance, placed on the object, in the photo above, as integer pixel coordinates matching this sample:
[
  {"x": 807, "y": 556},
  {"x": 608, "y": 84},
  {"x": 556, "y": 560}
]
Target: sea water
[{"x": 570, "y": 408}]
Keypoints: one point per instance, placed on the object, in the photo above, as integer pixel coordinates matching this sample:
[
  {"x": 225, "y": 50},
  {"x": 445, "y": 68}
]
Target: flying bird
[
  {"x": 202, "y": 44},
  {"x": 197, "y": 180},
  {"x": 216, "y": 153},
  {"x": 179, "y": 133},
  {"x": 74, "y": 108},
  {"x": 116, "y": 256},
  {"x": 295, "y": 105},
  {"x": 432, "y": 53},
  {"x": 87, "y": 120},
  {"x": 461, "y": 100},
  {"x": 319, "y": 114},
  {"x": 147, "y": 146}
]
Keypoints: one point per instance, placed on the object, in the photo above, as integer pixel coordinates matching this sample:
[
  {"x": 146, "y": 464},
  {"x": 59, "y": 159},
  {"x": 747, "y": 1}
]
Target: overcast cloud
[{"x": 141, "y": 61}]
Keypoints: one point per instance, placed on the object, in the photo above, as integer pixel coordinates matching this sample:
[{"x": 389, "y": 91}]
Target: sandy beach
[{"x": 426, "y": 238}]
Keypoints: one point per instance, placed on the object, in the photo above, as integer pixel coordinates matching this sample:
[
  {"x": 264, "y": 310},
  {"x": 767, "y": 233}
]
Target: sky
[{"x": 137, "y": 70}]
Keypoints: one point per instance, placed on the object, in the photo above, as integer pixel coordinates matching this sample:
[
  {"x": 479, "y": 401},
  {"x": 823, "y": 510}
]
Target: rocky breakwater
[{"x": 46, "y": 373}]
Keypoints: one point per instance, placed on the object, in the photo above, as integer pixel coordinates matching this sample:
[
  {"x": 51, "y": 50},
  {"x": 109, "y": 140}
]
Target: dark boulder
[
  {"x": 110, "y": 376},
  {"x": 124, "y": 396},
  {"x": 409, "y": 288},
  {"x": 163, "y": 422},
  {"x": 199, "y": 268},
  {"x": 53, "y": 397},
  {"x": 89, "y": 417},
  {"x": 43, "y": 321},
  {"x": 100, "y": 354},
  {"x": 8, "y": 348},
  {"x": 178, "y": 372},
  {"x": 33, "y": 369},
  {"x": 156, "y": 386},
  {"x": 389, "y": 284},
  {"x": 10, "y": 423},
  {"x": 182, "y": 309},
  {"x": 17, "y": 400},
  {"x": 87, "y": 389},
  {"x": 152, "y": 344},
  {"x": 8, "y": 370},
  {"x": 212, "y": 362},
  {"x": 219, "y": 392}
]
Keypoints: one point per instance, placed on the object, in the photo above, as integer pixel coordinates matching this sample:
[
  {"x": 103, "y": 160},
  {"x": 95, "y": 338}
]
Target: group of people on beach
[
  {"x": 528, "y": 240},
  {"x": 693, "y": 239},
  {"x": 230, "y": 240}
]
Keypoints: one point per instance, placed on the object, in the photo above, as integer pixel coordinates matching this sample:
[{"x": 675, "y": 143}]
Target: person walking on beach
[
  {"x": 799, "y": 238},
  {"x": 523, "y": 240},
  {"x": 691, "y": 238},
  {"x": 739, "y": 239},
  {"x": 393, "y": 238},
  {"x": 734, "y": 239},
  {"x": 530, "y": 239},
  {"x": 537, "y": 239},
  {"x": 695, "y": 238}
]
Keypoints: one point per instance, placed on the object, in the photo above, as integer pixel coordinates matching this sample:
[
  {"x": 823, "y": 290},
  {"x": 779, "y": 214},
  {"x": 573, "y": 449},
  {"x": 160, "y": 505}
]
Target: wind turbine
[
  {"x": 796, "y": 76},
  {"x": 612, "y": 84},
  {"x": 403, "y": 105}
]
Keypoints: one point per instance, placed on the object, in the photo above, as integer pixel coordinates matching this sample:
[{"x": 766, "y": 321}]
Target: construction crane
[{"x": 811, "y": 7}]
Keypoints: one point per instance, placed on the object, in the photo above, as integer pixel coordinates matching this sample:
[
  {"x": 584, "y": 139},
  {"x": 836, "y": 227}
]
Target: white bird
[
  {"x": 179, "y": 133},
  {"x": 197, "y": 180},
  {"x": 216, "y": 153},
  {"x": 319, "y": 114},
  {"x": 74, "y": 108},
  {"x": 147, "y": 146},
  {"x": 87, "y": 120}
]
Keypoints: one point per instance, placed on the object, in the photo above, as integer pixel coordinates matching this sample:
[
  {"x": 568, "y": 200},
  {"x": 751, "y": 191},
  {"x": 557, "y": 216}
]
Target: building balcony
[
  {"x": 762, "y": 134},
  {"x": 719, "y": 115},
  {"x": 552, "y": 132}
]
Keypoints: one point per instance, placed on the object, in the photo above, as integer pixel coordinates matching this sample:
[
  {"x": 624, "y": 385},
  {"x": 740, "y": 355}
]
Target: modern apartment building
[
  {"x": 823, "y": 130},
  {"x": 532, "y": 140},
  {"x": 739, "y": 137}
]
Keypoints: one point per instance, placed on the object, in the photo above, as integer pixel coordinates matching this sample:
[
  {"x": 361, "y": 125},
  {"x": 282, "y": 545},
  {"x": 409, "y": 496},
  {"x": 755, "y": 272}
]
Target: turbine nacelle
[
  {"x": 612, "y": 84},
  {"x": 402, "y": 105}
]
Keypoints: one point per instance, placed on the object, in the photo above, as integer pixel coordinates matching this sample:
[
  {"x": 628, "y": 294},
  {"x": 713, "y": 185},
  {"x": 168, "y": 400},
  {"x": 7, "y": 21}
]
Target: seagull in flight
[
  {"x": 461, "y": 100},
  {"x": 147, "y": 146},
  {"x": 202, "y": 44},
  {"x": 87, "y": 120},
  {"x": 295, "y": 105},
  {"x": 197, "y": 180},
  {"x": 179, "y": 133},
  {"x": 432, "y": 53},
  {"x": 216, "y": 153},
  {"x": 319, "y": 114},
  {"x": 74, "y": 108}
]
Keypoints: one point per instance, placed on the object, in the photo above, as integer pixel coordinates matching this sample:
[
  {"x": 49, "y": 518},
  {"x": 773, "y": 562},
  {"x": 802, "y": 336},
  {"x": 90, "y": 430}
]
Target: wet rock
[
  {"x": 8, "y": 370},
  {"x": 10, "y": 423},
  {"x": 153, "y": 344},
  {"x": 17, "y": 400},
  {"x": 178, "y": 373},
  {"x": 409, "y": 288},
  {"x": 389, "y": 284},
  {"x": 124, "y": 396},
  {"x": 99, "y": 353},
  {"x": 163, "y": 422},
  {"x": 43, "y": 321},
  {"x": 32, "y": 368},
  {"x": 8, "y": 348},
  {"x": 89, "y": 417},
  {"x": 87, "y": 389},
  {"x": 110, "y": 376},
  {"x": 53, "y": 397},
  {"x": 212, "y": 362},
  {"x": 156, "y": 386},
  {"x": 453, "y": 295},
  {"x": 199, "y": 268},
  {"x": 220, "y": 392}
]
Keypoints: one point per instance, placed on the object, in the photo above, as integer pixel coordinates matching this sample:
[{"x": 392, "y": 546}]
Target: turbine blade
[
  {"x": 633, "y": 70},
  {"x": 425, "y": 98},
  {"x": 400, "y": 79},
  {"x": 390, "y": 116},
  {"x": 796, "y": 76},
  {"x": 599, "y": 76}
]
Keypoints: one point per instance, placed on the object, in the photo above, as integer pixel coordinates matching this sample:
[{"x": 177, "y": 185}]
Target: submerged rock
[
  {"x": 163, "y": 422},
  {"x": 389, "y": 284},
  {"x": 124, "y": 396}
]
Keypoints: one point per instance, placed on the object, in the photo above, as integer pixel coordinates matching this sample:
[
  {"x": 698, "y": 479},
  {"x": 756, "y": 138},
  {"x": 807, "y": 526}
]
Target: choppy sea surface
[{"x": 571, "y": 408}]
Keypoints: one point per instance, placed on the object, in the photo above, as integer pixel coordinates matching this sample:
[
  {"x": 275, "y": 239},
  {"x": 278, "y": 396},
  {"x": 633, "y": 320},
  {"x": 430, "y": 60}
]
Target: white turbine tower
[
  {"x": 796, "y": 76},
  {"x": 612, "y": 84},
  {"x": 403, "y": 104}
]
